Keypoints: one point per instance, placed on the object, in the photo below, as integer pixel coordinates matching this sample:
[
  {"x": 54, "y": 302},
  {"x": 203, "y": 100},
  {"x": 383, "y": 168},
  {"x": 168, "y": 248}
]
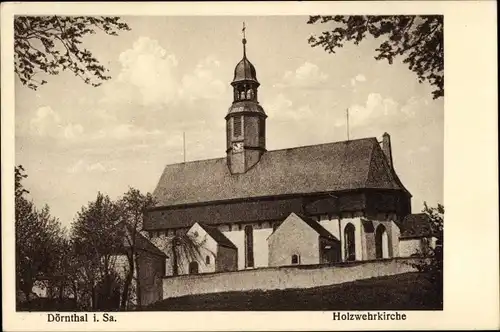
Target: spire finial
[{"x": 244, "y": 41}]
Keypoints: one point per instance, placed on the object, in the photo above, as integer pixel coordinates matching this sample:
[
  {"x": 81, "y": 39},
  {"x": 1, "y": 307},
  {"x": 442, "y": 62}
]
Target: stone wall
[{"x": 302, "y": 276}]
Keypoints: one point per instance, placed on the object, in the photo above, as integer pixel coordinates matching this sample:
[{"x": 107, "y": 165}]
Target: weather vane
[{"x": 243, "y": 30}]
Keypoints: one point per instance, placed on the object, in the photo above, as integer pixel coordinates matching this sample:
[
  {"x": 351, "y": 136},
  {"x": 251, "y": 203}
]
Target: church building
[{"x": 254, "y": 208}]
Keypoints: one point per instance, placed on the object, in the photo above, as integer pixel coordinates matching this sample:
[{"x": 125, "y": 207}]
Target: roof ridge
[
  {"x": 209, "y": 229},
  {"x": 310, "y": 222},
  {"x": 283, "y": 149},
  {"x": 324, "y": 144}
]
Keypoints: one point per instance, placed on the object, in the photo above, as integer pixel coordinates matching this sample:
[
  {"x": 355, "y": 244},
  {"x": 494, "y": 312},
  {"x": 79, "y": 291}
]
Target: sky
[{"x": 171, "y": 75}]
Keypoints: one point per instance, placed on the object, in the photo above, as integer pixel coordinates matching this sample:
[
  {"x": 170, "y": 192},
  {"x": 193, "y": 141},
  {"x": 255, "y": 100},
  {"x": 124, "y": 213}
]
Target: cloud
[
  {"x": 202, "y": 83},
  {"x": 45, "y": 122},
  {"x": 150, "y": 77},
  {"x": 375, "y": 109},
  {"x": 125, "y": 131},
  {"x": 149, "y": 69},
  {"x": 72, "y": 131},
  {"x": 307, "y": 75},
  {"x": 358, "y": 78},
  {"x": 48, "y": 123},
  {"x": 277, "y": 105},
  {"x": 81, "y": 166}
]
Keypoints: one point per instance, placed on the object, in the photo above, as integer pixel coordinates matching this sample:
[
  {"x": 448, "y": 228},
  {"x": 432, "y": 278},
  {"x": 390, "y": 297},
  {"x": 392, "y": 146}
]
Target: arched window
[
  {"x": 349, "y": 242},
  {"x": 250, "y": 94},
  {"x": 381, "y": 242},
  {"x": 249, "y": 246},
  {"x": 295, "y": 259},
  {"x": 207, "y": 260},
  {"x": 193, "y": 268},
  {"x": 242, "y": 95}
]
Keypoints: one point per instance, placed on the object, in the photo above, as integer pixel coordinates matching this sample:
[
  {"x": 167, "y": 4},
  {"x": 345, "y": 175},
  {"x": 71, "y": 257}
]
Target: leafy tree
[
  {"x": 134, "y": 205},
  {"x": 95, "y": 243},
  {"x": 184, "y": 249},
  {"x": 39, "y": 238},
  {"x": 49, "y": 44},
  {"x": 432, "y": 263},
  {"x": 417, "y": 39}
]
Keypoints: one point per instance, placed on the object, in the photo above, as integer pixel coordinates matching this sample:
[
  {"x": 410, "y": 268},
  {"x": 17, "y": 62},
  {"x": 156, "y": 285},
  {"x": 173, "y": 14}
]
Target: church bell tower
[{"x": 245, "y": 120}]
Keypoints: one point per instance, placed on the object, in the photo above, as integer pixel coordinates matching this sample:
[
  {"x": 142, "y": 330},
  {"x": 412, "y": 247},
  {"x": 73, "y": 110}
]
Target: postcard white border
[{"x": 471, "y": 284}]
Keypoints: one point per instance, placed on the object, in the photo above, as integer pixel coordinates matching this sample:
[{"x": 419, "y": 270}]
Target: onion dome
[{"x": 244, "y": 70}]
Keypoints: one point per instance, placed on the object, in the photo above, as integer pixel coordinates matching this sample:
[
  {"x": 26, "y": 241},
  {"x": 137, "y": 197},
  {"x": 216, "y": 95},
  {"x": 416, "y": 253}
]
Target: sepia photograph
[
  {"x": 256, "y": 167},
  {"x": 229, "y": 163}
]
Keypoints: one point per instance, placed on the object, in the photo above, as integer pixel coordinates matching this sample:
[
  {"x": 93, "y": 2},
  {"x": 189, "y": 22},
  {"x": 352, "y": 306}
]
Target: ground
[{"x": 409, "y": 291}]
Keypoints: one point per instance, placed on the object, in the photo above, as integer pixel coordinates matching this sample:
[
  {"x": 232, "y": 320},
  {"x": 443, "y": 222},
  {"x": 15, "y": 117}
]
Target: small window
[
  {"x": 237, "y": 126},
  {"x": 207, "y": 260},
  {"x": 295, "y": 259}
]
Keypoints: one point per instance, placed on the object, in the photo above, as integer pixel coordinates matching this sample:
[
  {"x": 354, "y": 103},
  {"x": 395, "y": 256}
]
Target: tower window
[
  {"x": 295, "y": 259},
  {"x": 237, "y": 126}
]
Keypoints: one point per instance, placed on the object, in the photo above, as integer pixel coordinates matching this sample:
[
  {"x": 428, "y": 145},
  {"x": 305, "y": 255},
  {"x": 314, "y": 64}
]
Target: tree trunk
[
  {"x": 94, "y": 299},
  {"x": 75, "y": 292},
  {"x": 27, "y": 288},
  {"x": 128, "y": 282},
  {"x": 138, "y": 283}
]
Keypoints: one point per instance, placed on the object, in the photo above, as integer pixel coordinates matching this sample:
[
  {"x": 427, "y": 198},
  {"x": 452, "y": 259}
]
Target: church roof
[
  {"x": 415, "y": 225},
  {"x": 244, "y": 71},
  {"x": 246, "y": 106},
  {"x": 141, "y": 242},
  {"x": 317, "y": 227},
  {"x": 339, "y": 166},
  {"x": 217, "y": 235}
]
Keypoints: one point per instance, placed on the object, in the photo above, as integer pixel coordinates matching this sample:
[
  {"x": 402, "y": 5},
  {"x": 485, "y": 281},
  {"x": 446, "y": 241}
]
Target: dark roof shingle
[
  {"x": 318, "y": 228},
  {"x": 141, "y": 242},
  {"x": 415, "y": 225},
  {"x": 338, "y": 166},
  {"x": 217, "y": 235}
]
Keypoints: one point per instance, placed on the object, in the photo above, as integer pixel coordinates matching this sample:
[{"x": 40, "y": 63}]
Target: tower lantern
[{"x": 246, "y": 119}]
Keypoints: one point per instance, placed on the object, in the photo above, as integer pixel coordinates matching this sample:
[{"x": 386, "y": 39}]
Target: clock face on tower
[{"x": 238, "y": 147}]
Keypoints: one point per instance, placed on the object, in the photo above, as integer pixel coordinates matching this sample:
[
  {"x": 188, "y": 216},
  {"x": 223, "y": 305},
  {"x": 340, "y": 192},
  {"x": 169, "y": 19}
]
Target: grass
[{"x": 409, "y": 291}]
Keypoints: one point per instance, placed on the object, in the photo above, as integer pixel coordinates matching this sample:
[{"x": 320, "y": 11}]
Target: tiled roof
[
  {"x": 217, "y": 235},
  {"x": 144, "y": 244},
  {"x": 141, "y": 243},
  {"x": 330, "y": 167},
  {"x": 318, "y": 228},
  {"x": 415, "y": 225}
]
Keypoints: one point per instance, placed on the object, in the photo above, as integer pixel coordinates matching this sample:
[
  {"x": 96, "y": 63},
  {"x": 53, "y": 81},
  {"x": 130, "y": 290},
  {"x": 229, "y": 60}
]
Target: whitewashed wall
[
  {"x": 260, "y": 246},
  {"x": 207, "y": 247},
  {"x": 410, "y": 246},
  {"x": 332, "y": 225},
  {"x": 282, "y": 277}
]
